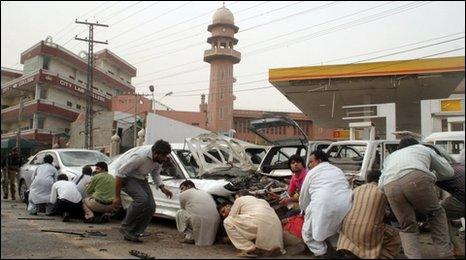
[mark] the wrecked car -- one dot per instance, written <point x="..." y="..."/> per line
<point x="217" y="165"/>
<point x="275" y="162"/>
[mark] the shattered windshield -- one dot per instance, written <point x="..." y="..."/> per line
<point x="81" y="158"/>
<point x="347" y="157"/>
<point x="192" y="167"/>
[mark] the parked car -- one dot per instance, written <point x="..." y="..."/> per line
<point x="452" y="142"/>
<point x="275" y="162"/>
<point x="356" y="157"/>
<point x="67" y="161"/>
<point x="214" y="163"/>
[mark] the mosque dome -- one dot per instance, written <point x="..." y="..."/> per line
<point x="223" y="15"/>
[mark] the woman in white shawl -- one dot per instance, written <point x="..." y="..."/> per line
<point x="325" y="198"/>
<point x="42" y="180"/>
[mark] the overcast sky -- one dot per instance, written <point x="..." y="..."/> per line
<point x="165" y="41"/>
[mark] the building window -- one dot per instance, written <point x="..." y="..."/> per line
<point x="43" y="93"/>
<point x="78" y="106"/>
<point x="68" y="103"/>
<point x="221" y="113"/>
<point x="221" y="93"/>
<point x="195" y="124"/>
<point x="80" y="81"/>
<point x="72" y="77"/>
<point x="40" y="123"/>
<point x="46" y="63"/>
<point x="109" y="71"/>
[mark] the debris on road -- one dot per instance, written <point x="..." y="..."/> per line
<point x="140" y="254"/>
<point x="82" y="234"/>
<point x="37" y="218"/>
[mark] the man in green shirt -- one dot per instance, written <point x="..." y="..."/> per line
<point x="101" y="191"/>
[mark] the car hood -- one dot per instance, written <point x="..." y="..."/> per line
<point x="217" y="155"/>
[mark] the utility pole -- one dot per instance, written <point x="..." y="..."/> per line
<point x="136" y="103"/>
<point x="88" y="142"/>
<point x="20" y="118"/>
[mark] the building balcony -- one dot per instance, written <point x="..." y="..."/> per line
<point x="40" y="135"/>
<point x="11" y="114"/>
<point x="222" y="53"/>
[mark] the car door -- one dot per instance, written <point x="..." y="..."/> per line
<point x="172" y="178"/>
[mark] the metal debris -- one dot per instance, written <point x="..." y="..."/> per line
<point x="141" y="254"/>
<point x="36" y="218"/>
<point x="82" y="234"/>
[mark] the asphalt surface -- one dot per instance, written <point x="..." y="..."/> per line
<point x="24" y="239"/>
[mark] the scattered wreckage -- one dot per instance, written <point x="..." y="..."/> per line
<point x="216" y="164"/>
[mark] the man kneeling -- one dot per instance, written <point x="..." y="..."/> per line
<point x="67" y="199"/>
<point x="101" y="192"/>
<point x="198" y="218"/>
<point x="253" y="226"/>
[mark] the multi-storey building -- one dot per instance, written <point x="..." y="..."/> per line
<point x="49" y="95"/>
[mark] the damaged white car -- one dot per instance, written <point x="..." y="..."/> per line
<point x="214" y="163"/>
<point x="275" y="162"/>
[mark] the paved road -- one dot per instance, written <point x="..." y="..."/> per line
<point x="23" y="239"/>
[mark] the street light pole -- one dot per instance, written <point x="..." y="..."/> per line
<point x="151" y="88"/>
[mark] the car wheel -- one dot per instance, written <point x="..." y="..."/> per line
<point x="22" y="191"/>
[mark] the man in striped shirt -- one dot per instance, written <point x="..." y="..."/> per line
<point x="363" y="231"/>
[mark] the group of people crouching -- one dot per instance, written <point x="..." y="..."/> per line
<point x="322" y="205"/>
<point x="87" y="197"/>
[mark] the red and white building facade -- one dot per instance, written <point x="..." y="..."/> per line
<point x="51" y="89"/>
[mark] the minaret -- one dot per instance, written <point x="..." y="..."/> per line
<point x="221" y="57"/>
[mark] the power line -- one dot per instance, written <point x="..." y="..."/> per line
<point x="350" y="24"/>
<point x="72" y="23"/>
<point x="360" y="21"/>
<point x="164" y="29"/>
<point x="111" y="16"/>
<point x="143" y="9"/>
<point x="178" y="32"/>
<point x="352" y="73"/>
<point x="95" y="11"/>
<point x="153" y="19"/>
<point x="333" y="60"/>
<point x="273" y="38"/>
<point x="253" y="27"/>
<point x="373" y="58"/>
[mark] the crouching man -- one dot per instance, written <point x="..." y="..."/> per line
<point x="363" y="231"/>
<point x="101" y="192"/>
<point x="253" y="226"/>
<point x="198" y="218"/>
<point x="67" y="199"/>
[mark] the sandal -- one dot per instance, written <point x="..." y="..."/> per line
<point x="244" y="254"/>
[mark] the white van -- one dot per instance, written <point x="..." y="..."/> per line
<point x="452" y="142"/>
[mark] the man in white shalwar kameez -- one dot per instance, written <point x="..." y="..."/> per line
<point x="325" y="198"/>
<point x="253" y="226"/>
<point x="198" y="218"/>
<point x="42" y="180"/>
